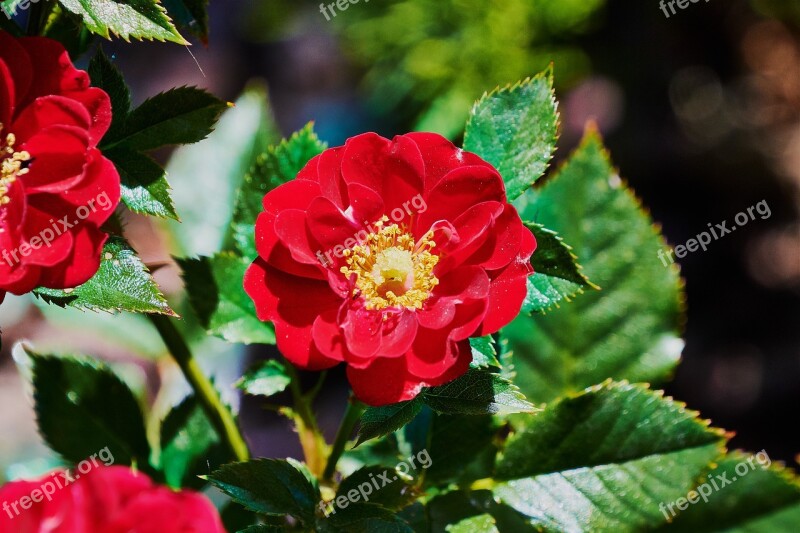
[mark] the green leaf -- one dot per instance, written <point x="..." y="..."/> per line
<point x="482" y="523"/>
<point x="395" y="495"/>
<point x="183" y="115"/>
<point x="105" y="75"/>
<point x="461" y="449"/>
<point x="214" y="285"/>
<point x="515" y="129"/>
<point x="269" y="486"/>
<point x="212" y="172"/>
<point x="267" y="380"/>
<point x="477" y="392"/>
<point x="557" y="275"/>
<point x="77" y="417"/>
<point x="484" y="354"/>
<point x="363" y="518"/>
<point x="757" y="497"/>
<point x="604" y="460"/>
<point x="144" y="183"/>
<point x="193" y="14"/>
<point x="122" y="283"/>
<point x="279" y="164"/>
<point x="627" y="330"/>
<point x="8" y="11"/>
<point x="138" y="19"/>
<point x="187" y="439"/>
<point x="379" y="421"/>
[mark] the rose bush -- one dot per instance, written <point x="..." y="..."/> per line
<point x="56" y="188"/>
<point x="388" y="255"/>
<point x="107" y="500"/>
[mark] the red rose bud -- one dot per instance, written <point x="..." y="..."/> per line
<point x="388" y="256"/>
<point x="56" y="188"/>
<point x="105" y="500"/>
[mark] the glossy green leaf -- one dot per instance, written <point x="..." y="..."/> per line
<point x="214" y="285"/>
<point x="189" y="445"/>
<point x="461" y="449"/>
<point x="482" y="523"/>
<point x="122" y="283"/>
<point x="627" y="330"/>
<point x="557" y="274"/>
<point x="380" y="421"/>
<point x="269" y="486"/>
<point x="268" y="379"/>
<point x="76" y="417"/>
<point x="382" y="486"/>
<point x="363" y="518"/>
<point x="484" y="353"/>
<point x="183" y="115"/>
<point x="477" y="392"/>
<point x="279" y="164"/>
<point x="515" y="129"/>
<point x="105" y="75"/>
<point x="144" y="183"/>
<point x="604" y="460"/>
<point x="137" y="19"/>
<point x="756" y="497"/>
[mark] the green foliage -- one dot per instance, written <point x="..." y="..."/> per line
<point x="477" y="392"/>
<point x="268" y="379"/>
<point x="627" y="330"/>
<point x="137" y="19"/>
<point x="214" y="285"/>
<point x="393" y="492"/>
<point x="269" y="486"/>
<point x="105" y="75"/>
<point x="484" y="354"/>
<point x="594" y="460"/>
<point x="122" y="283"/>
<point x="76" y="417"/>
<point x="515" y="129"/>
<point x="431" y="59"/>
<point x="280" y="163"/>
<point x="189" y="445"/>
<point x="557" y="275"/>
<point x="763" y="499"/>
<point x="192" y="14"/>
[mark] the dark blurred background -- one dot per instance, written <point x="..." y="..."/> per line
<point x="701" y="112"/>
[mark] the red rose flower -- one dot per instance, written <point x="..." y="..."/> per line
<point x="56" y="188"/>
<point x="105" y="500"/>
<point x="388" y="256"/>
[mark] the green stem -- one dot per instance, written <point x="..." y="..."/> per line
<point x="314" y="446"/>
<point x="219" y="415"/>
<point x="351" y="416"/>
<point x="37" y="19"/>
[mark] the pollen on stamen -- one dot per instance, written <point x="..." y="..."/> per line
<point x="12" y="166"/>
<point x="391" y="269"/>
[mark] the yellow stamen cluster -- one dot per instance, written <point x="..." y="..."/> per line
<point x="12" y="164"/>
<point x="391" y="269"/>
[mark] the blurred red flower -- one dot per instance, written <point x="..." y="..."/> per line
<point x="388" y="256"/>
<point x="56" y="188"/>
<point x="111" y="499"/>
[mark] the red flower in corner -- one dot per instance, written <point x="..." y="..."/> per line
<point x="56" y="188"/>
<point x="111" y="499"/>
<point x="388" y="256"/>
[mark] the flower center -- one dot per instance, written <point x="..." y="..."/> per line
<point x="12" y="164"/>
<point x="391" y="269"/>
